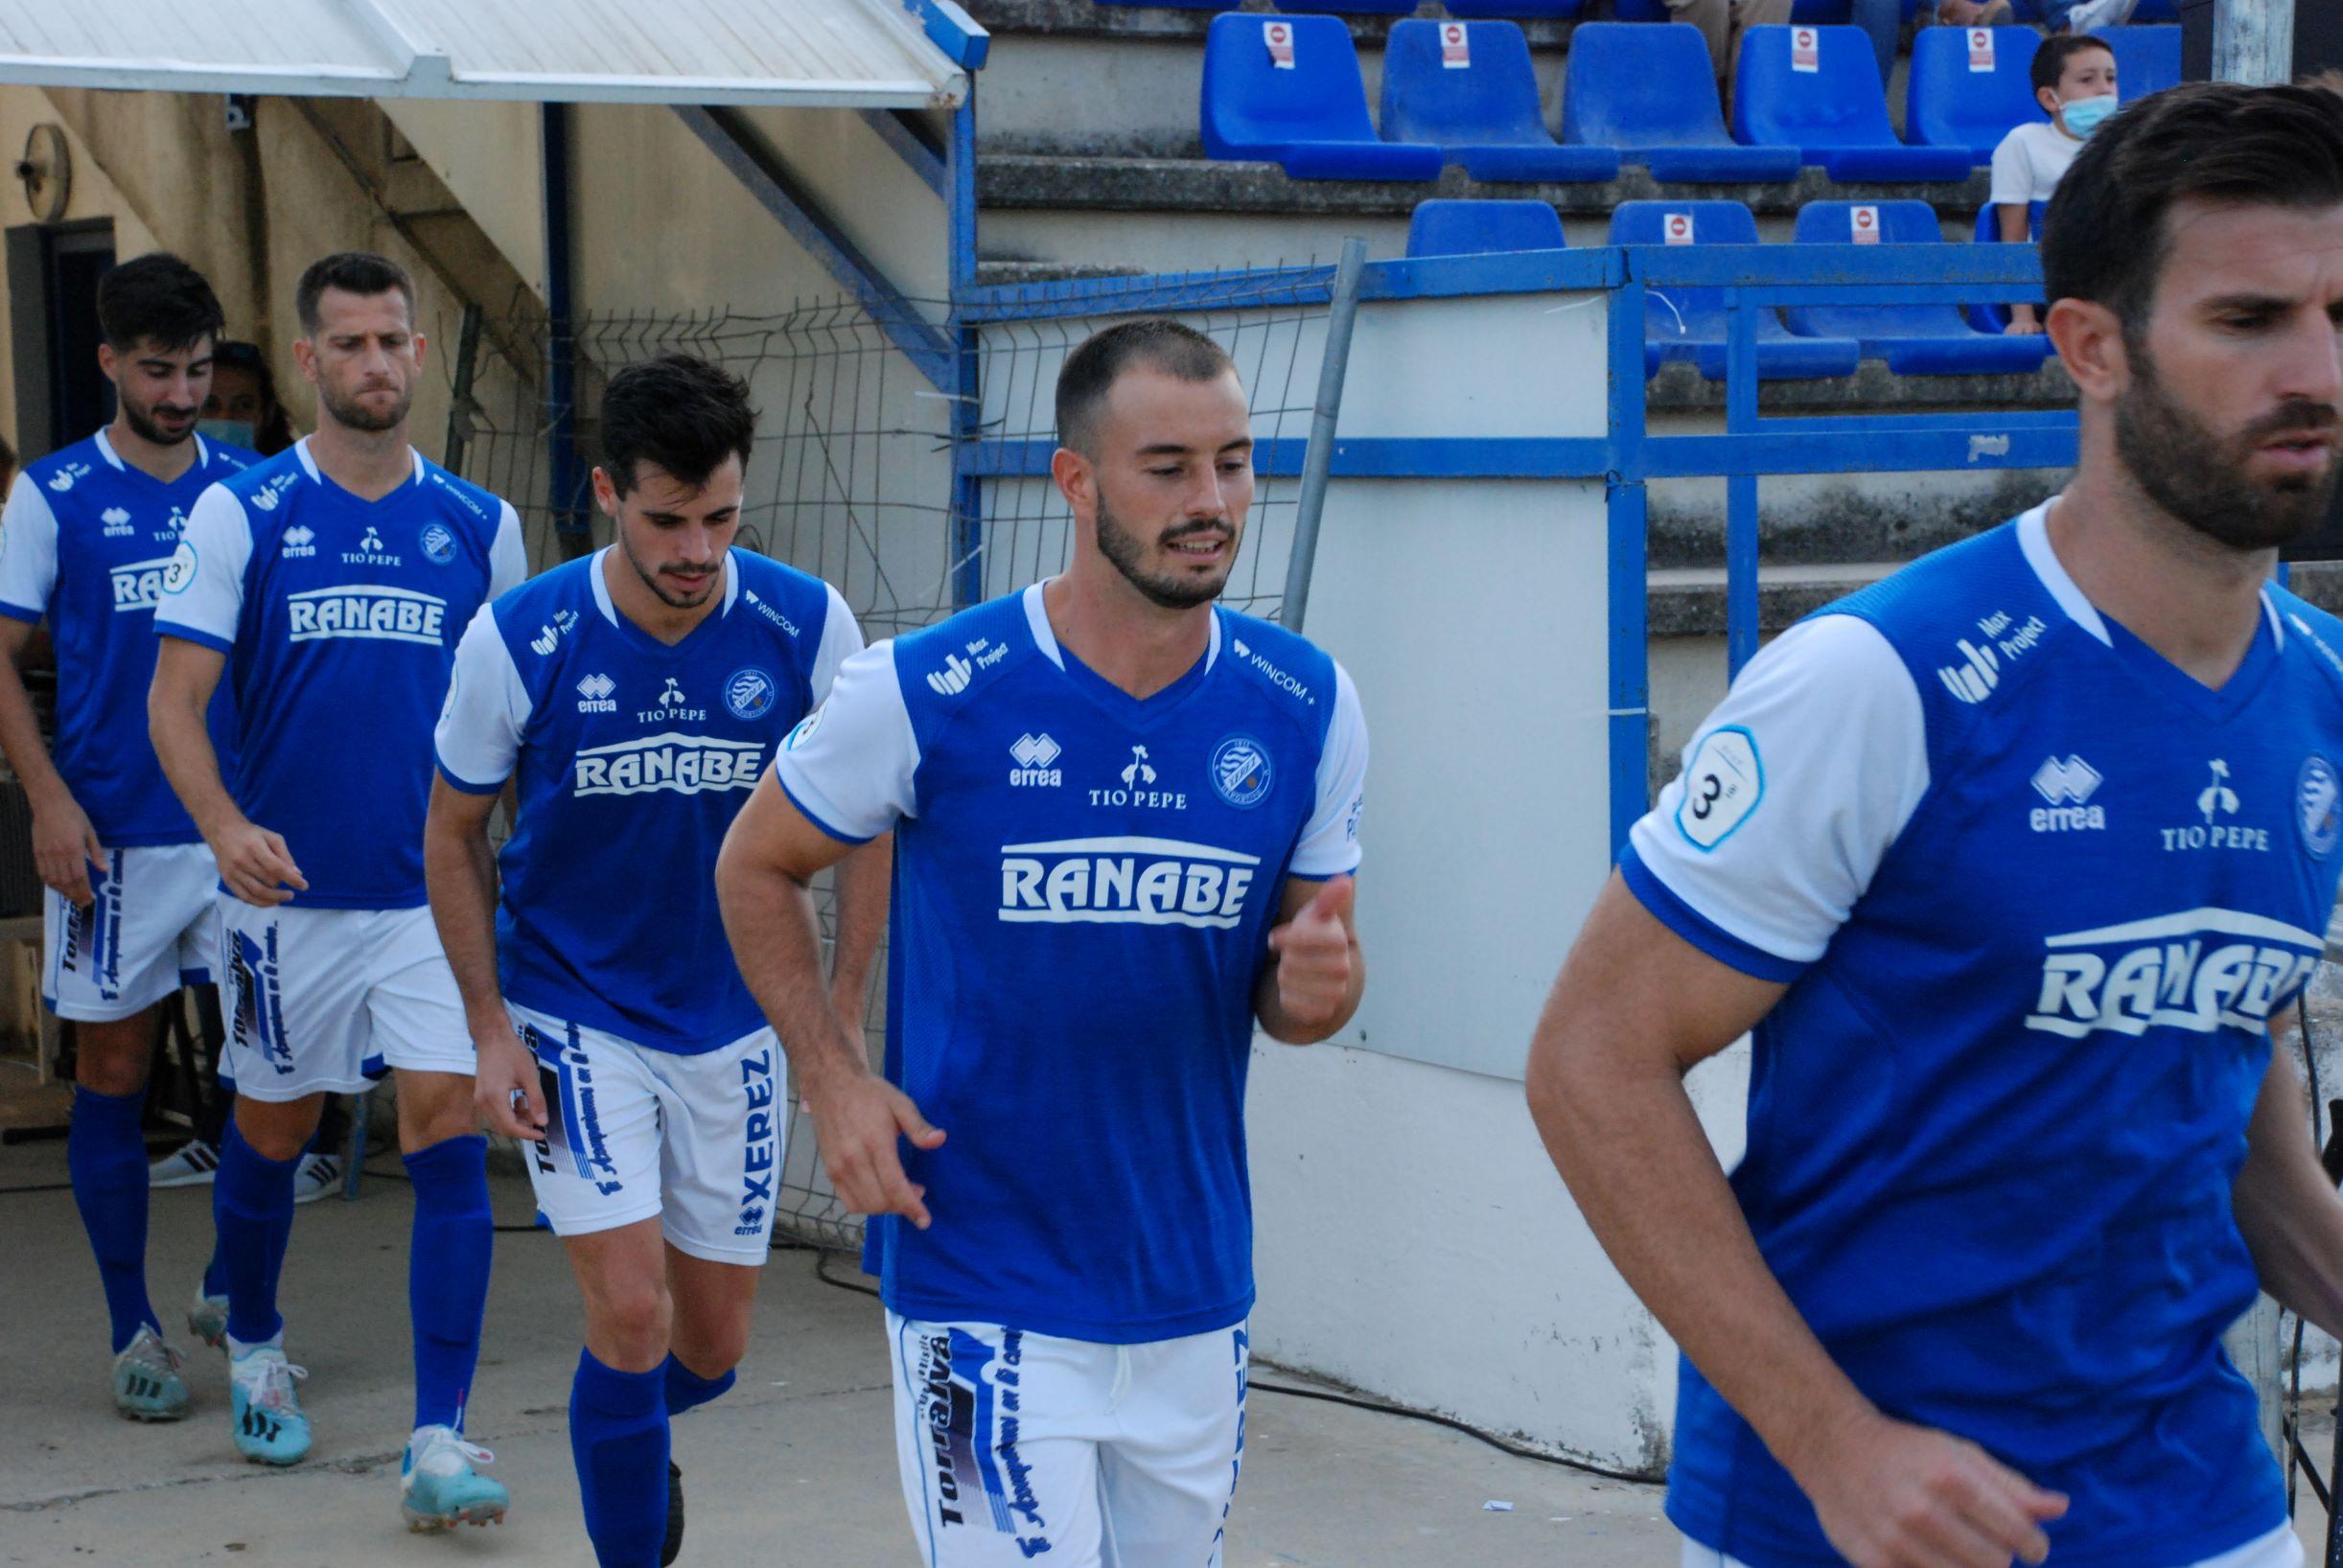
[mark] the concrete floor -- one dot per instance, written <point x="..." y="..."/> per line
<point x="797" y="1465"/>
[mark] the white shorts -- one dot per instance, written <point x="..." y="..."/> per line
<point x="2281" y="1548"/>
<point x="632" y="1133"/>
<point x="1013" y="1446"/>
<point x="150" y="930"/>
<point x="324" y="1001"/>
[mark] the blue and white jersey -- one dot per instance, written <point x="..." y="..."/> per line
<point x="633" y="757"/>
<point x="85" y="542"/>
<point x="339" y="619"/>
<point x="1084" y="884"/>
<point x="2036" y="894"/>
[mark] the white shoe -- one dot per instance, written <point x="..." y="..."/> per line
<point x="438" y="1487"/>
<point x="319" y="1174"/>
<point x="193" y="1164"/>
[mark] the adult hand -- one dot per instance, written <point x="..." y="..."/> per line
<point x="2024" y="326"/>
<point x="254" y="864"/>
<point x="505" y="1083"/>
<point x="1313" y="955"/>
<point x="64" y="846"/>
<point x="1894" y="1496"/>
<point x="858" y="1117"/>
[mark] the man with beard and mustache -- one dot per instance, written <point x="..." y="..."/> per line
<point x="329" y="584"/>
<point x="2009" y="862"/>
<point x="615" y="1033"/>
<point x="83" y="542"/>
<point x="1125" y="825"/>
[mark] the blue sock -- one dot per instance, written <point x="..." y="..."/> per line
<point x="687" y="1390"/>
<point x="446" y="1273"/>
<point x="106" y="1156"/>
<point x="252" y="1204"/>
<point x="619" y="1437"/>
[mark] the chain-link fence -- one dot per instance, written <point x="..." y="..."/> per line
<point x="852" y="477"/>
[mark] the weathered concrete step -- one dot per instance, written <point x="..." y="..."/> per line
<point x="988" y="273"/>
<point x="1679" y="388"/>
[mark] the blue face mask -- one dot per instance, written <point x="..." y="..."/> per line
<point x="2085" y="115"/>
<point x="234" y="432"/>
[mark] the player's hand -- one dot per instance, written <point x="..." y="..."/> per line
<point x="505" y="1084"/>
<point x="255" y="865"/>
<point x="64" y="847"/>
<point x="1893" y="1496"/>
<point x="857" y="1118"/>
<point x="1313" y="957"/>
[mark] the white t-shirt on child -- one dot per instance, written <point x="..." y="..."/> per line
<point x="2028" y="165"/>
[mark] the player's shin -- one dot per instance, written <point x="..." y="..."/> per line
<point x="618" y="1440"/>
<point x="448" y="1265"/>
<point x="107" y="1163"/>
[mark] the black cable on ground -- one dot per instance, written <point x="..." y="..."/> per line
<point x="1326" y="1396"/>
<point x="37" y="1186"/>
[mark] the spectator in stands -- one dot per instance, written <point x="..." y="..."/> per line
<point x="2073" y="79"/>
<point x="2080" y="17"/>
<point x="1722" y="23"/>
<point x="1973" y="14"/>
<point x="243" y="410"/>
<point x="1882" y="22"/>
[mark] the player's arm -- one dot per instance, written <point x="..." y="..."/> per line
<point x="1735" y="882"/>
<point x="862" y="878"/>
<point x="64" y="844"/>
<point x="2287" y="1207"/>
<point x="254" y="863"/>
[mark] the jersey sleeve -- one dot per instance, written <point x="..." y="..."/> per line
<point x="841" y="640"/>
<point x="850" y="766"/>
<point x="28" y="552"/>
<point x="509" y="554"/>
<point x="479" y="738"/>
<point x="1792" y="793"/>
<point x="203" y="587"/>
<point x="1330" y="841"/>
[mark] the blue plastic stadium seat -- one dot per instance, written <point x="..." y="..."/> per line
<point x="1647" y="91"/>
<point x="1483" y="114"/>
<point x="2146" y="58"/>
<point x="1522" y="9"/>
<point x="1834" y="111"/>
<point x="1949" y="103"/>
<point x="1993" y="318"/>
<point x="1471" y="228"/>
<point x="1352" y="8"/>
<point x="1681" y="323"/>
<point x="1311" y="118"/>
<point x="1914" y="339"/>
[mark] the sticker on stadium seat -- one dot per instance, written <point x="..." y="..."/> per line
<point x="1981" y="48"/>
<point x="1863" y="223"/>
<point x="1723" y="784"/>
<point x="1455" y="47"/>
<point x="1676" y="228"/>
<point x="1806" y="50"/>
<point x="1279" y="36"/>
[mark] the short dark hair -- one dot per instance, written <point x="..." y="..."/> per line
<point x="158" y="299"/>
<point x="1100" y="360"/>
<point x="353" y="272"/>
<point x="2105" y="238"/>
<point x="684" y="414"/>
<point x="2049" y="61"/>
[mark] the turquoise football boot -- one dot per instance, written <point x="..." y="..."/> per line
<point x="269" y="1426"/>
<point x="438" y="1487"/>
<point x="146" y="1382"/>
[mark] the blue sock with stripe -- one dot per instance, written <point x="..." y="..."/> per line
<point x="252" y="1204"/>
<point x="618" y="1439"/>
<point x="687" y="1390"/>
<point x="106" y="1156"/>
<point x="446" y="1273"/>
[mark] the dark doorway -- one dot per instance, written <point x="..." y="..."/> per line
<point x="53" y="275"/>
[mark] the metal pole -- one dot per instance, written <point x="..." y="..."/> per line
<point x="1319" y="461"/>
<point x="2253" y="42"/>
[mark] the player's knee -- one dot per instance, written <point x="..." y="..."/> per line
<point x="632" y="1318"/>
<point x="108" y="1072"/>
<point x="710" y="1349"/>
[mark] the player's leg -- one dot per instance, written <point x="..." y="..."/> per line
<point x="713" y="1305"/>
<point x="997" y="1435"/>
<point x="619" y="1415"/>
<point x="1169" y="1475"/>
<point x="417" y="1020"/>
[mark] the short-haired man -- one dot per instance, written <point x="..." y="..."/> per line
<point x="1125" y="823"/>
<point x="2009" y="861"/>
<point x="85" y="542"/>
<point x="330" y="585"/>
<point x="635" y="697"/>
<point x="2074" y="79"/>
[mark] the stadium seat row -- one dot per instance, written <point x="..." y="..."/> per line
<point x="1288" y="90"/>
<point x="1800" y="341"/>
<point x="1801" y="11"/>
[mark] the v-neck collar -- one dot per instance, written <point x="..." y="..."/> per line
<point x="2142" y="661"/>
<point x="123" y="466"/>
<point x="308" y="466"/>
<point x="1139" y="711"/>
<point x="643" y="639"/>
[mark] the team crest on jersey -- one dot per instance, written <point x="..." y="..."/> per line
<point x="749" y="694"/>
<point x="1240" y="771"/>
<point x="2318" y="800"/>
<point x="438" y="544"/>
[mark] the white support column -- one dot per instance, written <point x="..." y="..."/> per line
<point x="2253" y="42"/>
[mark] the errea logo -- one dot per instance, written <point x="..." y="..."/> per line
<point x="594" y="694"/>
<point x="1032" y="755"/>
<point x="2067" y="786"/>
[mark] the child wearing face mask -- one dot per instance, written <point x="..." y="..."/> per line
<point x="2074" y="79"/>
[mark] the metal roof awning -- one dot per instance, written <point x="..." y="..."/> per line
<point x="808" y="54"/>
